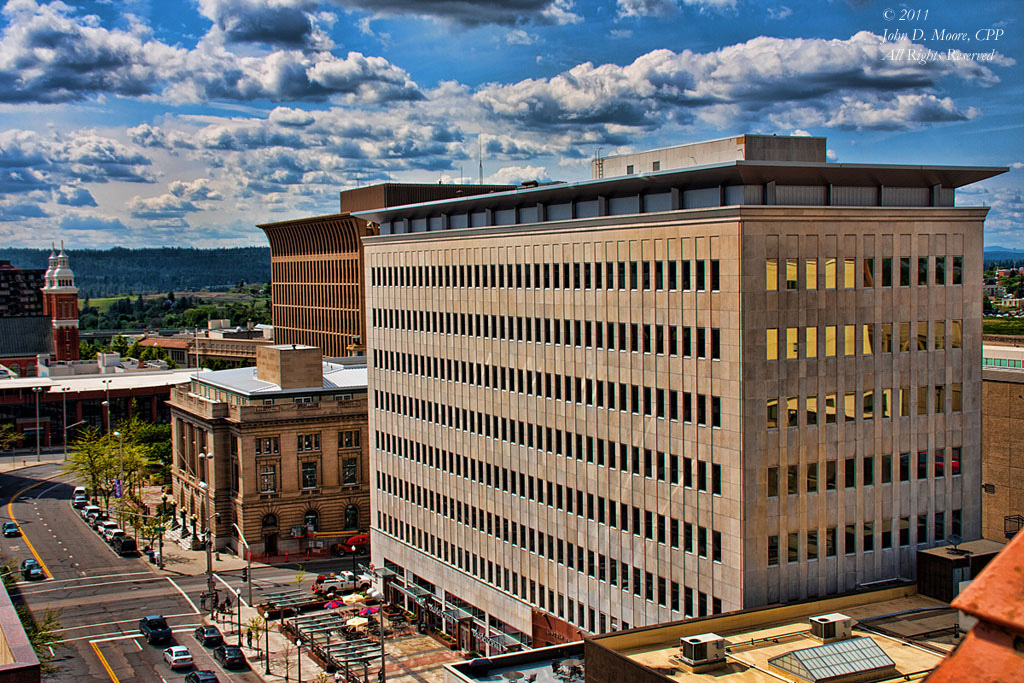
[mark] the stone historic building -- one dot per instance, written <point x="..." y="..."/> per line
<point x="686" y="391"/>
<point x="282" y="448"/>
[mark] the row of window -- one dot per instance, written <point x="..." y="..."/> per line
<point x="871" y="469"/>
<point x="646" y="584"/>
<point x="622" y="275"/>
<point x="827" y="543"/>
<point x="864" y="274"/>
<point x="269" y="445"/>
<point x="874" y="338"/>
<point x="308" y="474"/>
<point x="870" y="403"/>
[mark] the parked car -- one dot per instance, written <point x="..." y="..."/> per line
<point x="208" y="636"/>
<point x="178" y="657"/>
<point x="342" y="582"/>
<point x="31" y="570"/>
<point x="104" y="526"/>
<point x="230" y="657"/>
<point x="79" y="491"/>
<point x="11" y="529"/>
<point x="96" y="519"/>
<point x="79" y="502"/>
<point x="125" y="545"/>
<point x="114" y="534"/>
<point x="201" y="677"/>
<point x="89" y="511"/>
<point x="155" y="629"/>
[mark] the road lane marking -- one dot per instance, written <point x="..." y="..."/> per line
<point x="10" y="513"/>
<point x="228" y="586"/>
<point x="184" y="595"/>
<point x="40" y="495"/>
<point x="103" y="661"/>
<point x="114" y="635"/>
<point x="86" y="585"/>
<point x="121" y="621"/>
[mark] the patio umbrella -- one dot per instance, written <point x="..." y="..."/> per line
<point x="367" y="611"/>
<point x="334" y="604"/>
<point x="357" y="621"/>
<point x="352" y="599"/>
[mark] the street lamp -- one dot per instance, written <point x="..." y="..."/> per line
<point x="36" y="391"/>
<point x="298" y="650"/>
<point x="238" y="605"/>
<point x="106" y="403"/>
<point x="209" y="542"/>
<point x="163" y="515"/>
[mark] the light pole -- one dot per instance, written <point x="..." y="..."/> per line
<point x="238" y="605"/>
<point x="106" y="403"/>
<point x="36" y="391"/>
<point x="266" y="632"/>
<point x="163" y="514"/>
<point x="119" y="491"/>
<point x="209" y="543"/>
<point x="248" y="560"/>
<point x="298" y="650"/>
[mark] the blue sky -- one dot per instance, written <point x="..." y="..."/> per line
<point x="187" y="122"/>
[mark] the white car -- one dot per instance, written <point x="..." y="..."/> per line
<point x="178" y="657"/>
<point x="79" y="502"/>
<point x="79" y="491"/>
<point x="89" y="510"/>
<point x="106" y="527"/>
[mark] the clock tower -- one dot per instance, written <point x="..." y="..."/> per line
<point x="60" y="302"/>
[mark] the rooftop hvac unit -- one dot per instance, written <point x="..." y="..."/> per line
<point x="706" y="649"/>
<point x="829" y="628"/>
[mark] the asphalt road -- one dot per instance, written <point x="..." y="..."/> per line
<point x="99" y="597"/>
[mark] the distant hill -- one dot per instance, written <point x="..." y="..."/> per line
<point x="1000" y="254"/>
<point x="117" y="271"/>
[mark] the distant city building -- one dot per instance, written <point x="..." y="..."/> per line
<point x="316" y="266"/>
<point x="20" y="291"/>
<point x="746" y="380"/>
<point x="288" y="444"/>
<point x="220" y="341"/>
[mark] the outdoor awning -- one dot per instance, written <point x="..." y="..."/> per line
<point x="413" y="591"/>
<point x="456" y="614"/>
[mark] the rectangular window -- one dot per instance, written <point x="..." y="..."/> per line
<point x="773" y="551"/>
<point x="811" y="273"/>
<point x="904" y="467"/>
<point x="792" y="342"/>
<point x="956" y="334"/>
<point x="940" y="270"/>
<point x="886" y="403"/>
<point x="792" y="273"/>
<point x="958" y="270"/>
<point x="922" y="465"/>
<point x="830" y="408"/>
<point x="940" y="398"/>
<point x="885" y="341"/>
<point x="830" y="273"/>
<point x="922" y="400"/>
<point x="793" y="547"/>
<point x="850" y="473"/>
<point x="850" y="540"/>
<point x="956" y="394"/>
<point x="811" y="342"/>
<point x="869" y="471"/>
<point x="887" y="272"/>
<point x="904" y="531"/>
<point x="850" y="406"/>
<point x="772" y="413"/>
<point x="940" y="335"/>
<point x="922" y="529"/>
<point x="849" y="273"/>
<point x="904" y="401"/>
<point x="811" y="403"/>
<point x="830" y="542"/>
<point x="849" y="340"/>
<point x="868" y="272"/>
<point x="868" y="405"/>
<point x="867" y="341"/>
<point x="904" y="271"/>
<point x="309" y="480"/>
<point x="869" y="536"/>
<point x="922" y="271"/>
<point x="793" y="480"/>
<point x="268" y="479"/>
<point x="886" y="469"/>
<point x="812" y="477"/>
<point x="812" y="545"/>
<point x="922" y="335"/>
<point x="830" y="475"/>
<point x="716" y="275"/>
<point x="830" y="340"/>
<point x="793" y="411"/>
<point x="350" y="471"/>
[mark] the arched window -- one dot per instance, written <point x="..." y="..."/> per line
<point x="269" y="521"/>
<point x="352" y="517"/>
<point x="311" y="520"/>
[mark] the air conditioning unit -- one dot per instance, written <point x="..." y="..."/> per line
<point x="702" y="652"/>
<point x="829" y="628"/>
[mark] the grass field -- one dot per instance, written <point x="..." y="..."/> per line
<point x="1003" y="326"/>
<point x="103" y="304"/>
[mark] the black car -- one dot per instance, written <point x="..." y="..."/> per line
<point x="201" y="677"/>
<point x="124" y="546"/>
<point x="208" y="636"/>
<point x="155" y="629"/>
<point x="230" y="656"/>
<point x="31" y="570"/>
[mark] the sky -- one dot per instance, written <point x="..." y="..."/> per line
<point x="142" y="123"/>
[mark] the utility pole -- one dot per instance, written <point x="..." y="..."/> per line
<point x="37" y="391"/>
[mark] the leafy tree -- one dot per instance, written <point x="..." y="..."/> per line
<point x="87" y="350"/>
<point x="43" y="634"/>
<point x="119" y="345"/>
<point x="134" y="351"/>
<point x="9" y="436"/>
<point x="99" y="459"/>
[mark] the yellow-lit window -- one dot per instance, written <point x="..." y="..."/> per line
<point x="772" y="413"/>
<point x="772" y="343"/>
<point x="922" y="400"/>
<point x="849" y="273"/>
<point x="886" y="340"/>
<point x="940" y="335"/>
<point x="830" y="340"/>
<point x="771" y="274"/>
<point x="904" y="401"/>
<point x="792" y="273"/>
<point x="922" y="335"/>
<point x="830" y="408"/>
<point x="811" y="342"/>
<point x="869" y="272"/>
<point x="904" y="336"/>
<point x="867" y="342"/>
<point x="850" y="406"/>
<point x="830" y="273"/>
<point x="849" y="339"/>
<point x="886" y="403"/>
<point x="811" y="273"/>
<point x="792" y="411"/>
<point x="956" y="334"/>
<point x="792" y="349"/>
<point x="868" y="405"/>
<point x="956" y="392"/>
<point x="812" y="410"/>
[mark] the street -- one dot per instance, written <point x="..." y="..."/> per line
<point x="100" y="596"/>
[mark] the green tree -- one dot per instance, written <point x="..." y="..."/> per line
<point x="43" y="634"/>
<point x="119" y="345"/>
<point x="9" y="437"/>
<point x="99" y="459"/>
<point x="87" y="350"/>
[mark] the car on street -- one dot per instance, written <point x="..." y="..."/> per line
<point x="342" y="582"/>
<point x="155" y="629"/>
<point x="114" y="534"/>
<point x="230" y="657"/>
<point x="79" y="502"/>
<point x="11" y="529"/>
<point x="201" y="677"/>
<point x="102" y="528"/>
<point x="125" y="546"/>
<point x="79" y="491"/>
<point x="208" y="636"/>
<point x="89" y="510"/>
<point x="31" y="570"/>
<point x="178" y="657"/>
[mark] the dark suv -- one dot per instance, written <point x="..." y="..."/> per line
<point x="155" y="629"/>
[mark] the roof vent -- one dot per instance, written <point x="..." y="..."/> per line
<point x="829" y="628"/>
<point x="702" y="652"/>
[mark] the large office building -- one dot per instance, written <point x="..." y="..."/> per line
<point x="627" y="400"/>
<point x="316" y="266"/>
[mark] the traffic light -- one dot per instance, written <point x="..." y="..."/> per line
<point x="245" y="574"/>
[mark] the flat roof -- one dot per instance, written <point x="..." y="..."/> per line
<point x="337" y="377"/>
<point x="981" y="546"/>
<point x="728" y="173"/>
<point x="753" y="637"/>
<point x="132" y="379"/>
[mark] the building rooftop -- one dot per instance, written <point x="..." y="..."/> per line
<point x="894" y="625"/>
<point x="336" y="377"/>
<point x="544" y="664"/>
<point x="99" y="382"/>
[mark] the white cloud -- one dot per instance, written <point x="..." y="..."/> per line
<point x="517" y="36"/>
<point x="779" y="13"/>
<point x="514" y="175"/>
<point x="472" y="12"/>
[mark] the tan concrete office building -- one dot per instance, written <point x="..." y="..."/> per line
<point x="287" y="443"/>
<point x="628" y="400"/>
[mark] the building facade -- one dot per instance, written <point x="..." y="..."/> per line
<point x="626" y="401"/>
<point x="1003" y="443"/>
<point x="316" y="267"/>
<point x="20" y="291"/>
<point x="287" y="443"/>
<point x="60" y="302"/>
